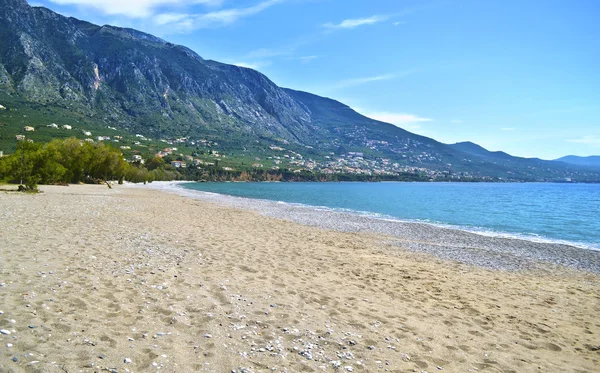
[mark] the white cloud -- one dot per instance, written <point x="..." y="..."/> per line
<point x="133" y="8"/>
<point x="398" y="119"/>
<point x="587" y="140"/>
<point x="360" y="81"/>
<point x="248" y="65"/>
<point x="303" y="59"/>
<point x="188" y="22"/>
<point x="306" y="59"/>
<point x="370" y="79"/>
<point x="399" y="23"/>
<point x="353" y="23"/>
<point x="163" y="19"/>
<point x="252" y="65"/>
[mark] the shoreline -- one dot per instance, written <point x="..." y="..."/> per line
<point x="137" y="280"/>
<point x="461" y="245"/>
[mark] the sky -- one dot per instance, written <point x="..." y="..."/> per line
<point x="518" y="76"/>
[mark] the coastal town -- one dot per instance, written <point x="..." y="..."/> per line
<point x="278" y="157"/>
<point x="183" y="153"/>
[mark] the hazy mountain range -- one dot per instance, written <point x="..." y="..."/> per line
<point x="140" y="83"/>
<point x="591" y="161"/>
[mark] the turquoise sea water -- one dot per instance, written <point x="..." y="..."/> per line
<point x="567" y="213"/>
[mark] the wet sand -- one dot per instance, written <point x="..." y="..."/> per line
<point x="135" y="280"/>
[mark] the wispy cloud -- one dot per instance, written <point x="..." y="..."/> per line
<point x="371" y="79"/>
<point x="360" y="81"/>
<point x="403" y="120"/>
<point x="399" y="23"/>
<point x="165" y="18"/>
<point x="252" y="65"/>
<point x="587" y="140"/>
<point x="179" y="22"/>
<point x="356" y="22"/>
<point x="289" y="51"/>
<point x="132" y="8"/>
<point x="307" y="59"/>
<point x="303" y="59"/>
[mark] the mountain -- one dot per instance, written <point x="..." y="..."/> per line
<point x="56" y="68"/>
<point x="511" y="162"/>
<point x="468" y="147"/>
<point x="591" y="161"/>
<point x="135" y="80"/>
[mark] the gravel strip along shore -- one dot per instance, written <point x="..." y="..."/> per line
<point x="496" y="253"/>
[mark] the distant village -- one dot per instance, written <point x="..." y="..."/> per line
<point x="278" y="157"/>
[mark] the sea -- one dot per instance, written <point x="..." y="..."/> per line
<point x="540" y="212"/>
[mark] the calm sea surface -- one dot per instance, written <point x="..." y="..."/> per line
<point x="568" y="213"/>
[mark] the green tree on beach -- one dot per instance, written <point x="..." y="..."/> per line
<point x="66" y="161"/>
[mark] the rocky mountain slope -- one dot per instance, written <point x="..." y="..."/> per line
<point x="136" y="80"/>
<point x="140" y="83"/>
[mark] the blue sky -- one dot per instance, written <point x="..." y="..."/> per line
<point x="518" y="76"/>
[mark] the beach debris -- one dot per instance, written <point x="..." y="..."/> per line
<point x="15" y="359"/>
<point x="207" y="336"/>
<point x="127" y="360"/>
<point x="347" y="355"/>
<point x="306" y="353"/>
<point x="242" y="370"/>
<point x="4" y="331"/>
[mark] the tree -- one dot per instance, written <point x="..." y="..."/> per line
<point x="154" y="163"/>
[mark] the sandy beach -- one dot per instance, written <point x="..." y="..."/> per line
<point x="139" y="280"/>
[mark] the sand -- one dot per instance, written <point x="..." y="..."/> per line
<point x="133" y="280"/>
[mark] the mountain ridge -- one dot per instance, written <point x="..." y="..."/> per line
<point x="590" y="161"/>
